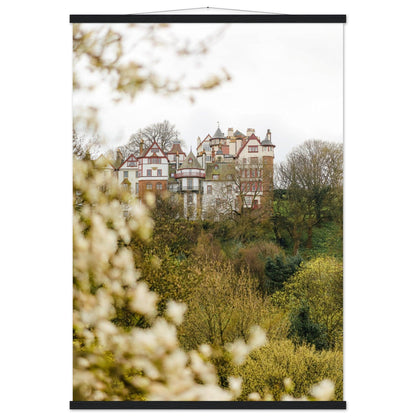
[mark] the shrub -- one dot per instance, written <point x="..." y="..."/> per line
<point x="266" y="369"/>
<point x="319" y="285"/>
<point x="224" y="306"/>
<point x="278" y="271"/>
<point x="254" y="258"/>
<point x="304" y="330"/>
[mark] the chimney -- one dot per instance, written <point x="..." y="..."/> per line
<point x="198" y="142"/>
<point x="119" y="158"/>
<point x="269" y="135"/>
<point x="250" y="132"/>
<point x="141" y="146"/>
<point x="204" y="160"/>
<point x="230" y="132"/>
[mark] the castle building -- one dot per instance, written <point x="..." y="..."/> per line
<point x="229" y="173"/>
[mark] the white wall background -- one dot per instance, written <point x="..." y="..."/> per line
<point x="379" y="221"/>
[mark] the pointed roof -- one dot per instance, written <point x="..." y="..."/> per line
<point x="104" y="161"/>
<point x="252" y="137"/>
<point x="176" y="148"/>
<point x="218" y="134"/>
<point x="238" y="133"/>
<point x="266" y="141"/>
<point x="190" y="162"/>
<point x="146" y="152"/>
<point x="129" y="159"/>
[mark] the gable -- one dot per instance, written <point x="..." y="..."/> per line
<point x="200" y="147"/>
<point x="251" y="141"/>
<point x="154" y="150"/>
<point x="130" y="162"/>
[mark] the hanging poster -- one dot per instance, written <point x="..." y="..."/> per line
<point x="208" y="211"/>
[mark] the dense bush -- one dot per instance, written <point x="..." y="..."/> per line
<point x="253" y="258"/>
<point x="266" y="369"/>
<point x="304" y="330"/>
<point x="319" y="285"/>
<point x="278" y="270"/>
<point x="224" y="306"/>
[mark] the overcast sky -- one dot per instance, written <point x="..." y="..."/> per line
<point x="285" y="77"/>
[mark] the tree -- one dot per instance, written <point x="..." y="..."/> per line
<point x="315" y="294"/>
<point x="304" y="330"/>
<point x="279" y="270"/>
<point x="164" y="133"/>
<point x="312" y="175"/>
<point x="224" y="306"/>
<point x="84" y="147"/>
<point x="289" y="214"/>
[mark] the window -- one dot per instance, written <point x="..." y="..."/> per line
<point x="137" y="187"/>
<point x="172" y="175"/>
<point x="209" y="189"/>
<point x="149" y="172"/>
<point x="155" y="160"/>
<point x="215" y="177"/>
<point x="131" y="164"/>
<point x="125" y="174"/>
<point x="254" y="160"/>
<point x="137" y="173"/>
<point x="190" y="161"/>
<point x="159" y="172"/>
<point x="159" y="186"/>
<point x="229" y="177"/>
<point x="253" y="149"/>
<point x="189" y="183"/>
<point x="244" y="160"/>
<point x="149" y="186"/>
<point x="229" y="189"/>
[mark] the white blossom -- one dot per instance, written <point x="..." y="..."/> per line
<point x="323" y="391"/>
<point x="144" y="301"/>
<point x="257" y="337"/>
<point x="239" y="351"/>
<point x="235" y="385"/>
<point x="175" y="311"/>
<point x="163" y="371"/>
<point x="254" y="396"/>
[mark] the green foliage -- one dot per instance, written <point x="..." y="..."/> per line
<point x="326" y="241"/>
<point x="224" y="306"/>
<point x="171" y="231"/>
<point x="253" y="258"/>
<point x="304" y="330"/>
<point x="319" y="284"/>
<point x="278" y="271"/>
<point x="266" y="369"/>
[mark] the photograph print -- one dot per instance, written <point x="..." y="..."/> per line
<point x="208" y="212"/>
